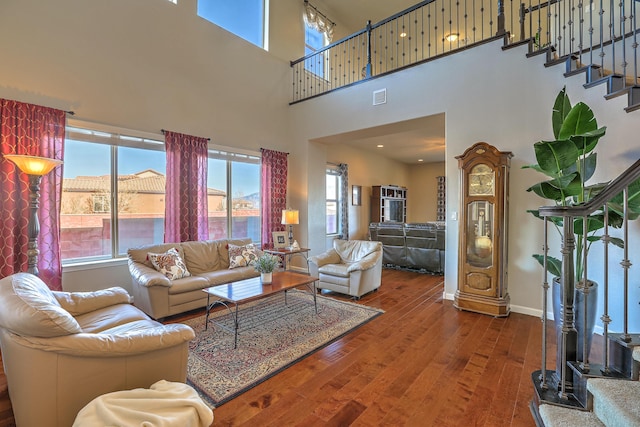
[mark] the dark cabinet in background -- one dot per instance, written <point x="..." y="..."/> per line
<point x="388" y="203"/>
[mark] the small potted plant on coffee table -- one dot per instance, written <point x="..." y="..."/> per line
<point x="265" y="264"/>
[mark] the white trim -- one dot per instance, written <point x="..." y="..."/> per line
<point x="265" y="25"/>
<point x="514" y="308"/>
<point x="85" y="124"/>
<point x="234" y="150"/>
<point x="93" y="265"/>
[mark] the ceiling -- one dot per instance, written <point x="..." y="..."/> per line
<point x="407" y="141"/>
<point x="354" y="14"/>
<point x="413" y="141"/>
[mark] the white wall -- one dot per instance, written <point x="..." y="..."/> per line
<point x="506" y="101"/>
<point x="422" y="192"/>
<point x="144" y="65"/>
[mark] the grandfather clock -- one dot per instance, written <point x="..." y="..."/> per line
<point x="482" y="252"/>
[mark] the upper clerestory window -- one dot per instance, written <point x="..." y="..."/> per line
<point x="244" y="18"/>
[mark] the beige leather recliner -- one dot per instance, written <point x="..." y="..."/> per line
<point x="352" y="267"/>
<point x="60" y="350"/>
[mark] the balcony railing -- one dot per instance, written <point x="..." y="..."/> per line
<point x="597" y="36"/>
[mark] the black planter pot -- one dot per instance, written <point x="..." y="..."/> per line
<point x="578" y="304"/>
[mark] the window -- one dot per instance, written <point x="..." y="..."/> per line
<point x="96" y="225"/>
<point x="98" y="165"/>
<point x="334" y="198"/>
<point x="314" y="40"/>
<point x="244" y="18"/>
<point x="237" y="175"/>
<point x="100" y="203"/>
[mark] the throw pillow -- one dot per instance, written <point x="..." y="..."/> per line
<point x="242" y="256"/>
<point x="170" y="264"/>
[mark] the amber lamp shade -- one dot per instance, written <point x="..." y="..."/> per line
<point x="33" y="165"/>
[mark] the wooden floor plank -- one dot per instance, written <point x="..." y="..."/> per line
<point x="421" y="363"/>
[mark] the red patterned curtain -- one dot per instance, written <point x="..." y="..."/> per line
<point x="186" y="208"/>
<point x="36" y="131"/>
<point x="273" y="180"/>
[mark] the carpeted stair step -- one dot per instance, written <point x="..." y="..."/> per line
<point x="624" y="354"/>
<point x="615" y="402"/>
<point x="634" y="104"/>
<point x="558" y="416"/>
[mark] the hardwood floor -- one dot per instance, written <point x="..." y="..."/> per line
<point x="422" y="363"/>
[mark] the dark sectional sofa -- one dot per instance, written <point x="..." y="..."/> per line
<point x="418" y="246"/>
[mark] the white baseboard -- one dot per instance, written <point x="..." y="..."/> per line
<point x="515" y="308"/>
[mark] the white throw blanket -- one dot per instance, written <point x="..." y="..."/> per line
<point x="165" y="404"/>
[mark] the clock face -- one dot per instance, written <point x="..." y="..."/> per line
<point x="482" y="181"/>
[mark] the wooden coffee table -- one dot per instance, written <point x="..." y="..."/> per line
<point x="243" y="291"/>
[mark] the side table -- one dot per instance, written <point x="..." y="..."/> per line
<point x="287" y="253"/>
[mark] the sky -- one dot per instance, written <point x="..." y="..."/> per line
<point x="82" y="159"/>
<point x="243" y="18"/>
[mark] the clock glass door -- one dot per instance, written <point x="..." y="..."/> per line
<point x="479" y="229"/>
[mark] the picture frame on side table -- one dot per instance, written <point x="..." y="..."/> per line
<point x="356" y="195"/>
<point x="279" y="239"/>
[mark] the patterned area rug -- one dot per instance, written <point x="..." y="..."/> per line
<point x="272" y="336"/>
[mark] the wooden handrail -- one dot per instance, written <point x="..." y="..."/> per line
<point x="611" y="190"/>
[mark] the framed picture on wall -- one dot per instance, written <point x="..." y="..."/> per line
<point x="356" y="195"/>
<point x="279" y="239"/>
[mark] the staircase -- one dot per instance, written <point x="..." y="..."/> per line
<point x="579" y="392"/>
<point x="612" y="402"/>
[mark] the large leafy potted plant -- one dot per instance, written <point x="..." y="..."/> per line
<point x="569" y="162"/>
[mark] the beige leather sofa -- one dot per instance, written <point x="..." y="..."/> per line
<point x="352" y="267"/>
<point x="206" y="261"/>
<point x="61" y="350"/>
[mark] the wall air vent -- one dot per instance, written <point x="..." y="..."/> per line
<point x="380" y="97"/>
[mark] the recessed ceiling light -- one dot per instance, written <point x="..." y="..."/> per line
<point x="380" y="146"/>
<point x="452" y="37"/>
<point x="403" y="34"/>
<point x="420" y="160"/>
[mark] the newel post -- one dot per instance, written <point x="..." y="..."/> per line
<point x="567" y="341"/>
<point x="501" y="25"/>
<point x="368" y="70"/>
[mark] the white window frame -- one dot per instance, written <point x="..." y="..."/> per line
<point x="113" y="137"/>
<point x="324" y="73"/>
<point x="333" y="172"/>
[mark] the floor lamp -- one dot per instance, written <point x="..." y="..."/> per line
<point x="35" y="167"/>
<point x="290" y="217"/>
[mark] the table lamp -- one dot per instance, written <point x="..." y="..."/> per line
<point x="35" y="167"/>
<point x="290" y="217"/>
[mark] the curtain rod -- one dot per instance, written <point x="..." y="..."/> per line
<point x="285" y="152"/>
<point x="71" y="113"/>
<point x="163" y="131"/>
<point x="318" y="12"/>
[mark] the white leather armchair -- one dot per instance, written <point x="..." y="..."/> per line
<point x="60" y="350"/>
<point x="352" y="267"/>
